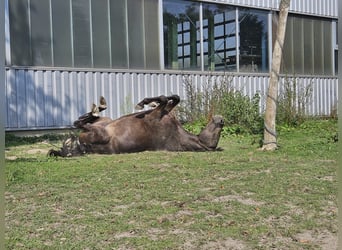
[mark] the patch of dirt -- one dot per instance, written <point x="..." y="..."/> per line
<point x="37" y="151"/>
<point x="122" y="235"/>
<point x="245" y="201"/>
<point x="11" y="157"/>
<point x="325" y="239"/>
<point x="228" y="244"/>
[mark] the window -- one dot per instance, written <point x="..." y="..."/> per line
<point x="219" y="29"/>
<point x="85" y="33"/>
<point x="181" y="34"/>
<point x="308" y="46"/>
<point x="20" y="33"/>
<point x="253" y="40"/>
<point x="234" y="39"/>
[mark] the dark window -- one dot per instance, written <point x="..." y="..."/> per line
<point x="182" y="42"/>
<point x="219" y="37"/>
<point x="253" y="41"/>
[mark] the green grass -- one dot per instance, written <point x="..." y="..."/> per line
<point x="238" y="197"/>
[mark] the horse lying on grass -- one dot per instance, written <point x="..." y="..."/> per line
<point x="153" y="129"/>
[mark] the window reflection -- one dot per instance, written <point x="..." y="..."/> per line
<point x="220" y="49"/>
<point x="181" y="35"/>
<point x="253" y="41"/>
<point x="219" y="37"/>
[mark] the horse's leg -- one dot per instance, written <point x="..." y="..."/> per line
<point x="171" y="102"/>
<point x="93" y="115"/>
<point x="103" y="104"/>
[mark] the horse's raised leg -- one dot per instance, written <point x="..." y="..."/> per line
<point x="103" y="104"/>
<point x="170" y="101"/>
<point x="91" y="116"/>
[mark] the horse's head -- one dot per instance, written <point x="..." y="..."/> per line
<point x="210" y="135"/>
<point x="71" y="147"/>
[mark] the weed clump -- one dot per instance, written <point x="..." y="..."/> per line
<point x="217" y="96"/>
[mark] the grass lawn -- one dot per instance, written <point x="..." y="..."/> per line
<point x="238" y="198"/>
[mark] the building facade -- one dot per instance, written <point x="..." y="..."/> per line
<point x="61" y="55"/>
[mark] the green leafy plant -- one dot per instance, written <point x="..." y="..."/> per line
<point x="217" y="96"/>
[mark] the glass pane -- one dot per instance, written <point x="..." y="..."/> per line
<point x="298" y="49"/>
<point x="19" y="32"/>
<point x="253" y="40"/>
<point x="181" y="18"/>
<point x="308" y="46"/>
<point x="100" y="21"/>
<point x="81" y="29"/>
<point x="40" y="33"/>
<point x="152" y="47"/>
<point x="118" y="24"/>
<point x="318" y="47"/>
<point x="136" y="41"/>
<point x="221" y="36"/>
<point x="61" y="32"/>
<point x="327" y="48"/>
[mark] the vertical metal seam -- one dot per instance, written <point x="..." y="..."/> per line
<point x="72" y="36"/>
<point x="127" y="36"/>
<point x="143" y="32"/>
<point x="51" y="35"/>
<point x="109" y="34"/>
<point x="91" y="36"/>
<point x="30" y="30"/>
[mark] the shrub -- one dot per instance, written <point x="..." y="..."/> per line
<point x="216" y="96"/>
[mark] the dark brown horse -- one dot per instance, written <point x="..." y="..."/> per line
<point x="154" y="129"/>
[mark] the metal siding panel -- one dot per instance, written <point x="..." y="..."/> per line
<point x="58" y="93"/>
<point x="30" y="101"/>
<point x="48" y="99"/>
<point x="39" y="98"/>
<point x="57" y="98"/>
<point x="105" y="90"/>
<point x="65" y="99"/>
<point x="72" y="82"/>
<point x="11" y="97"/>
<point x="21" y="99"/>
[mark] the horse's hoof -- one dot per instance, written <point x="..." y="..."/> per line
<point x="103" y="104"/>
<point x="95" y="111"/>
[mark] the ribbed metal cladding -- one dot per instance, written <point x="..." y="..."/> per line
<point x="41" y="99"/>
<point x="326" y="8"/>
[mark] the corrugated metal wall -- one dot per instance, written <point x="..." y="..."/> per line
<point x="40" y="99"/>
<point x="326" y="8"/>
